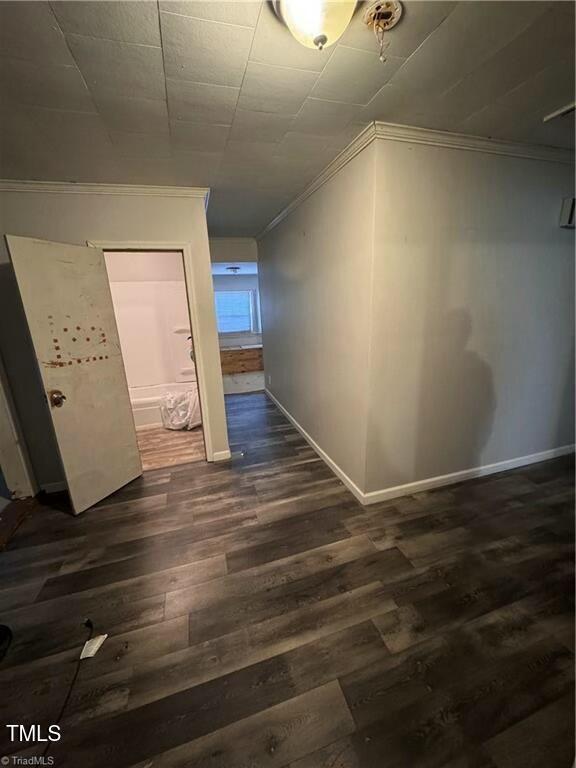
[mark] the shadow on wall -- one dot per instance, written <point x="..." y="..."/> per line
<point x="457" y="399"/>
<point x="25" y="382"/>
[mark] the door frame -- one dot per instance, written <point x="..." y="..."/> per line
<point x="14" y="460"/>
<point x="186" y="249"/>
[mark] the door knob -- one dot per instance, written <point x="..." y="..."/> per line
<point x="56" y="398"/>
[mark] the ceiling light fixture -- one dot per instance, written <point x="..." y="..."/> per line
<point x="315" y="23"/>
<point x="381" y="17"/>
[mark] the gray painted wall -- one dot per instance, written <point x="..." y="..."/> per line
<point x="314" y="270"/>
<point x="436" y="335"/>
<point x="473" y="324"/>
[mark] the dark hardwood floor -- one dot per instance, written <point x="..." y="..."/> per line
<point x="259" y="617"/>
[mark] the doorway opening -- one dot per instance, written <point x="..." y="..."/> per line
<point x="237" y="303"/>
<point x="150" y="300"/>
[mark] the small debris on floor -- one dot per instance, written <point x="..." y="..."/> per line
<point x="91" y="647"/>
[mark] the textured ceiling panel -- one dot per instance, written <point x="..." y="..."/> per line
<point x="200" y="102"/>
<point x="133" y="70"/>
<point x="204" y="51"/>
<point x="549" y="88"/>
<point x="219" y="94"/>
<point x="68" y="132"/>
<point x="243" y="13"/>
<point x="136" y="115"/>
<point x="324" y="118"/>
<point x="354" y="76"/>
<point x="200" y="166"/>
<point x="54" y="87"/>
<point x="197" y="137"/>
<point x="275" y="89"/>
<point x="471" y="34"/>
<point x="129" y="22"/>
<point x="264" y="127"/>
<point x="28" y="31"/>
<point x="142" y="145"/>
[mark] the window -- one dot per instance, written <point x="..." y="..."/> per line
<point x="237" y="312"/>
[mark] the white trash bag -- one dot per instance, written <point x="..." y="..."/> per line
<point x="181" y="410"/>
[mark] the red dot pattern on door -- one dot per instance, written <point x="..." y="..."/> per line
<point x="76" y="349"/>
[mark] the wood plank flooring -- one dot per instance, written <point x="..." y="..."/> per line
<point x="161" y="447"/>
<point x="259" y="617"/>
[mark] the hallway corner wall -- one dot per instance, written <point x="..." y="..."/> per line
<point x="314" y="271"/>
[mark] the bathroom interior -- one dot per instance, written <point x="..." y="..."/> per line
<point x="148" y="291"/>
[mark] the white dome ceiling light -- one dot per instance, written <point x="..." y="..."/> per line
<point x="316" y="23"/>
<point x="321" y="23"/>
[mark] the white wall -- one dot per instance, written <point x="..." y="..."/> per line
<point x="149" y="296"/>
<point x="233" y="249"/>
<point x="235" y="282"/>
<point x="473" y="295"/>
<point x="75" y="218"/>
<point x="435" y="336"/>
<point x="314" y="273"/>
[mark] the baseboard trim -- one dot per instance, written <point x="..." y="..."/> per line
<point x="384" y="494"/>
<point x="221" y="455"/>
<point x="348" y="482"/>
<point x="372" y="497"/>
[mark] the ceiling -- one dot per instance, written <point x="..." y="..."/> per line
<point x="218" y="94"/>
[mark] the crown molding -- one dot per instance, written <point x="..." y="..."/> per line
<point x="447" y="140"/>
<point x="65" y="187"/>
<point x="432" y="138"/>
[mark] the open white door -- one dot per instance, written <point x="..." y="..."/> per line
<point x="66" y="298"/>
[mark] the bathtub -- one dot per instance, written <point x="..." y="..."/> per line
<point x="146" y="401"/>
